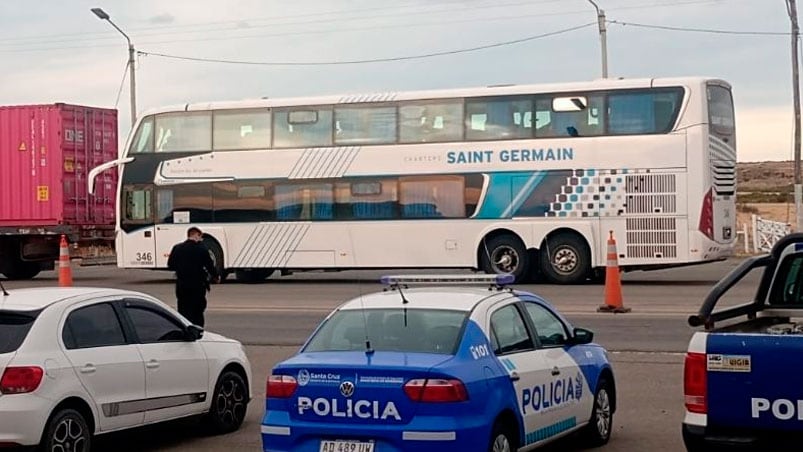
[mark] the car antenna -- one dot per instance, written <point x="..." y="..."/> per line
<point x="404" y="303"/>
<point x="5" y="294"/>
<point x="368" y="349"/>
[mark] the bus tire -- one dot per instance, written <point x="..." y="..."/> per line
<point x="216" y="253"/>
<point x="565" y="259"/>
<point x="504" y="254"/>
<point x="253" y="275"/>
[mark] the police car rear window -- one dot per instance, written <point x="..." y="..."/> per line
<point x="413" y="331"/>
<point x="14" y="327"/>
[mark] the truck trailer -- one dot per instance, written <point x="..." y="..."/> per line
<point x="46" y="152"/>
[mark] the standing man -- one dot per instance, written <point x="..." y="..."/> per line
<point x="194" y="269"/>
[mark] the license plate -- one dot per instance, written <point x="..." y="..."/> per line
<point x="346" y="446"/>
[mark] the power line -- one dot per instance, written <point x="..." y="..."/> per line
<point x="376" y="60"/>
<point x="84" y="37"/>
<point x="700" y="30"/>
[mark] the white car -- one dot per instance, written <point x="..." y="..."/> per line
<point x="75" y="362"/>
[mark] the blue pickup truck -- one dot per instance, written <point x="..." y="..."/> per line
<point x="743" y="373"/>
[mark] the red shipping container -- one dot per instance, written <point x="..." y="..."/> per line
<point x="46" y="152"/>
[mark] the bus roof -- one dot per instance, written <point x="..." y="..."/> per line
<point x="494" y="90"/>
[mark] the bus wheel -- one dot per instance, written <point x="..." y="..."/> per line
<point x="216" y="253"/>
<point x="253" y="275"/>
<point x="565" y="259"/>
<point x="504" y="254"/>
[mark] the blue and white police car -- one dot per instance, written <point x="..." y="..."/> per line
<point x="440" y="368"/>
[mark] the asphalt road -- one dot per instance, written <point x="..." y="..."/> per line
<point x="274" y="317"/>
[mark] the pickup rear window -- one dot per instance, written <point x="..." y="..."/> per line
<point x="398" y="330"/>
<point x="14" y="327"/>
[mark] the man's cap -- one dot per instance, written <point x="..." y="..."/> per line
<point x="194" y="230"/>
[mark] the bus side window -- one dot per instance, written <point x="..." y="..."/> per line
<point x="302" y="127"/>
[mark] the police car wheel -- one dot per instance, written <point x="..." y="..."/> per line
<point x="598" y="430"/>
<point x="66" y="431"/>
<point x="229" y="403"/>
<point x="501" y="439"/>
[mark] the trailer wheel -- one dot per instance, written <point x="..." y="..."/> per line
<point x="20" y="270"/>
<point x="216" y="253"/>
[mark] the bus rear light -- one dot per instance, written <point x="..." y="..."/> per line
<point x="695" y="383"/>
<point x="707" y="215"/>
<point x="436" y="390"/>
<point x="280" y="386"/>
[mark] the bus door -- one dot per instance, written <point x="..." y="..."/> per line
<point x="136" y="238"/>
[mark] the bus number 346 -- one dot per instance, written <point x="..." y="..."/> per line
<point x="144" y="257"/>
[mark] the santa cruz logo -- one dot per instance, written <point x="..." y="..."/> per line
<point x="347" y="388"/>
<point x="303" y="377"/>
<point x="578" y="385"/>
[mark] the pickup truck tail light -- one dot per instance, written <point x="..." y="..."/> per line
<point x="695" y="383"/>
<point x="436" y="390"/>
<point x="280" y="386"/>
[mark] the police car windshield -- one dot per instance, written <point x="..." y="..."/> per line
<point x="425" y="331"/>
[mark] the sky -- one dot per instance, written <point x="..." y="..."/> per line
<point x="58" y="51"/>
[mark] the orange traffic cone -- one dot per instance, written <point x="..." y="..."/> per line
<point x="65" y="272"/>
<point x="613" y="283"/>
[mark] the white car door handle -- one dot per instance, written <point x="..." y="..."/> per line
<point x="88" y="369"/>
<point x="152" y="364"/>
<point x="514" y="376"/>
<point x="555" y="371"/>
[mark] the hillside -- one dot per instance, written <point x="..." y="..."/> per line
<point x="765" y="176"/>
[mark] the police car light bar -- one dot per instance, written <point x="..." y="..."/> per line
<point x="497" y="280"/>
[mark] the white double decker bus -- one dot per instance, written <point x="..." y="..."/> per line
<point x="524" y="179"/>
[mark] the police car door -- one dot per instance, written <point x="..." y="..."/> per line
<point x="571" y="395"/>
<point x="531" y="371"/>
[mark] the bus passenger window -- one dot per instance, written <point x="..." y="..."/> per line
<point x="503" y="118"/>
<point x="304" y="202"/>
<point x="642" y="112"/>
<point x="432" y="197"/>
<point x="242" y="130"/>
<point x="431" y="122"/>
<point x="365" y="125"/>
<point x="302" y="127"/>
<point x="184" y="132"/>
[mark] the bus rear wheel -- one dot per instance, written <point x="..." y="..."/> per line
<point x="504" y="254"/>
<point x="565" y="259"/>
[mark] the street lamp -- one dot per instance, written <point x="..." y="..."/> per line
<point x="133" y="90"/>
<point x="602" y="38"/>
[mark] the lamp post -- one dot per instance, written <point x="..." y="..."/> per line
<point x="603" y="40"/>
<point x="132" y="74"/>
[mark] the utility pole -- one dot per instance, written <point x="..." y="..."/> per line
<point x="603" y="40"/>
<point x="102" y="15"/>
<point x="791" y="8"/>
